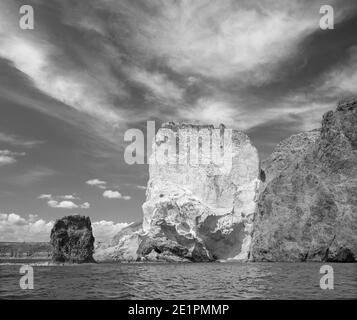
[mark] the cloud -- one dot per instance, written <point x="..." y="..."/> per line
<point x="66" y="204"/>
<point x="97" y="183"/>
<point x="14" y="227"/>
<point x="114" y="195"/>
<point x="58" y="202"/>
<point x="141" y="187"/>
<point x="18" y="141"/>
<point x="106" y="230"/>
<point x="68" y="197"/>
<point x="62" y="204"/>
<point x="78" y="78"/>
<point x="73" y="87"/>
<point x="9" y="157"/>
<point x="85" y="205"/>
<point x="341" y="80"/>
<point x="225" y="38"/>
<point x="157" y="83"/>
<point x="209" y="111"/>
<point x="65" y="197"/>
<point x="44" y="196"/>
<point x="31" y="176"/>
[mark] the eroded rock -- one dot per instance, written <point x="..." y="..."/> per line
<point x="307" y="208"/>
<point x="72" y="240"/>
<point x="206" y="208"/>
<point x="195" y="210"/>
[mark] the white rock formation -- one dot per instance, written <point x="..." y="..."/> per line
<point x="201" y="197"/>
<point x="210" y="201"/>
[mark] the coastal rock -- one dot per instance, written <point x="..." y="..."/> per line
<point x="123" y="247"/>
<point x="200" y="199"/>
<point x="201" y="210"/>
<point x="307" y="207"/>
<point x="72" y="240"/>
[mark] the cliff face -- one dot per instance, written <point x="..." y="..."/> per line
<point x="201" y="210"/>
<point x="200" y="198"/>
<point x="307" y="207"/>
<point x="123" y="247"/>
<point x="303" y="208"/>
<point x="72" y="240"/>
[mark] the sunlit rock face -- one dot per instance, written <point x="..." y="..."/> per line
<point x="123" y="246"/>
<point x="307" y="207"/>
<point x="201" y="195"/>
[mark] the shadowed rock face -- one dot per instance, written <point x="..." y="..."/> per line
<point x="307" y="208"/>
<point x="72" y="240"/>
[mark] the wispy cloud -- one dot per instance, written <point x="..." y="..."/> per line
<point x="209" y="111"/>
<point x="9" y="157"/>
<point x="97" y="183"/>
<point x="157" y="83"/>
<point x="31" y="176"/>
<point x="222" y="39"/>
<point x="18" y="141"/>
<point x="73" y="87"/>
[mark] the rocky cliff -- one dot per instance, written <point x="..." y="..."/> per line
<point x="72" y="240"/>
<point x="200" y="200"/>
<point x="301" y="205"/>
<point x="307" y="207"/>
<point x="123" y="247"/>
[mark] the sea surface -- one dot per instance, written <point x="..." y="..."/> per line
<point x="178" y="281"/>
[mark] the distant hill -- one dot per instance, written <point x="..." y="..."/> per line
<point x="26" y="250"/>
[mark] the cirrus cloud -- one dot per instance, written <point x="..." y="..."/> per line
<point x="9" y="157"/>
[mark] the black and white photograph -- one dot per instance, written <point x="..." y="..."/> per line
<point x="180" y="150"/>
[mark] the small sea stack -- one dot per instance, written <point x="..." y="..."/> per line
<point x="72" y="240"/>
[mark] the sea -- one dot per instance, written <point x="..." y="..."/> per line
<point x="203" y="281"/>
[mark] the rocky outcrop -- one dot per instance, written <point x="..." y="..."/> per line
<point x="307" y="207"/>
<point x="72" y="240"/>
<point x="200" y="199"/>
<point x="203" y="206"/>
<point x="123" y="247"/>
<point x="301" y="205"/>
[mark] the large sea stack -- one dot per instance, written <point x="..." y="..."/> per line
<point x="194" y="211"/>
<point x="307" y="208"/>
<point x="72" y="240"/>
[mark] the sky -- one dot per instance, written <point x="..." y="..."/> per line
<point x="92" y="69"/>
